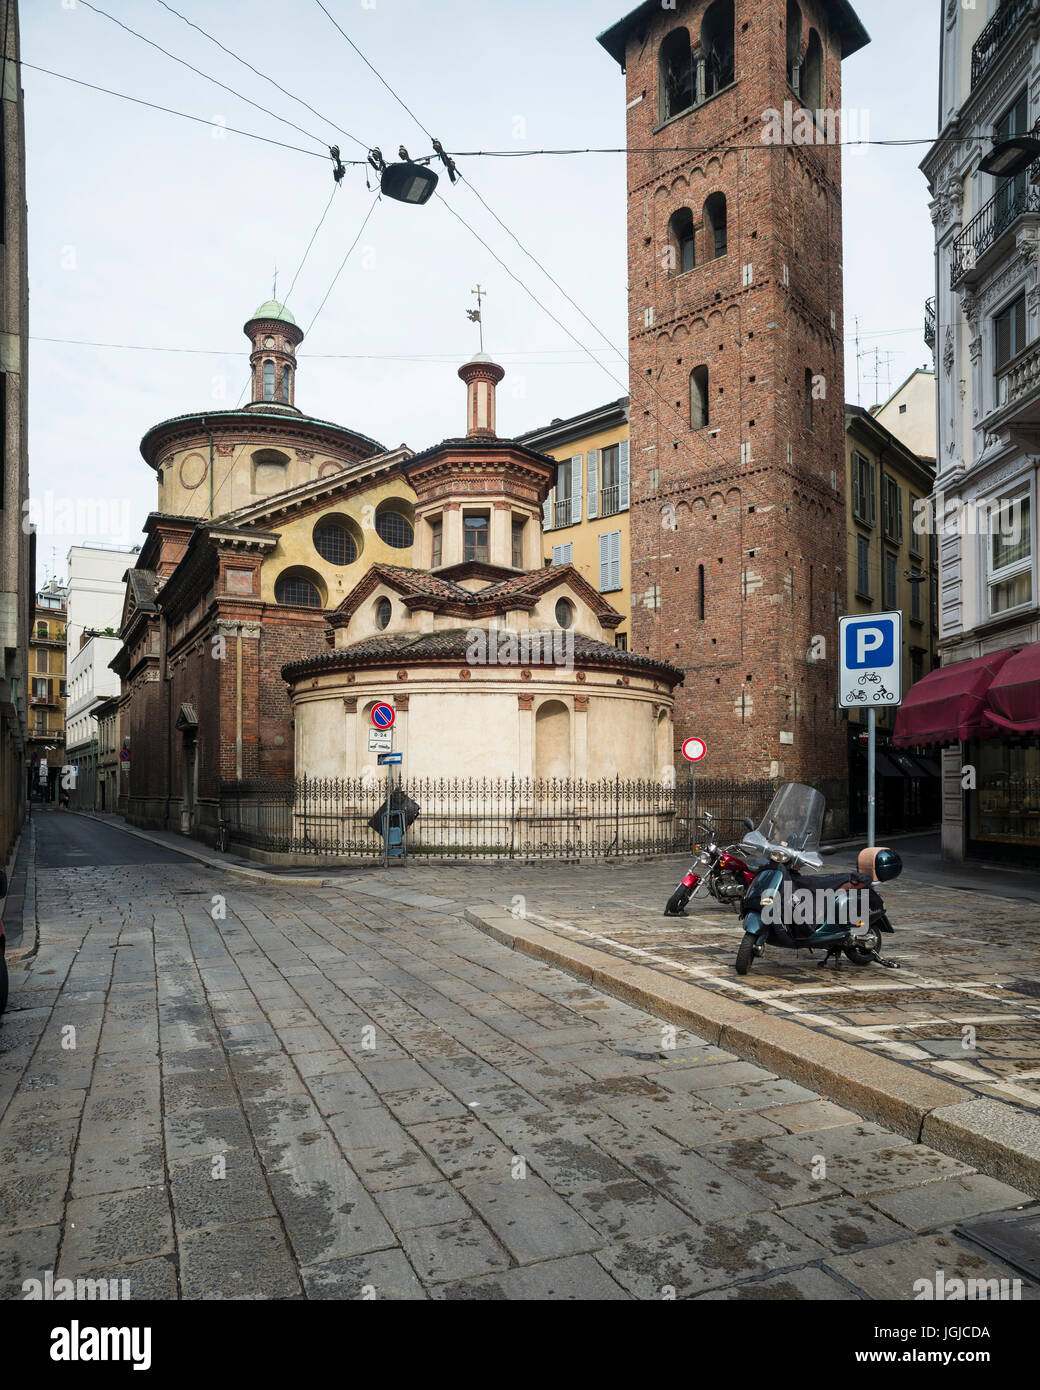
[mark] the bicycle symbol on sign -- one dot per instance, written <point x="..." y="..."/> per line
<point x="871" y="676"/>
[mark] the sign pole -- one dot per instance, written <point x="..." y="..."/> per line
<point x="386" y="818"/>
<point x="871" y="780"/>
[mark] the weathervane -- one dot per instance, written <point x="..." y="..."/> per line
<point x="475" y="315"/>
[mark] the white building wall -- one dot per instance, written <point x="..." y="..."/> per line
<point x="89" y="680"/>
<point x="982" y="267"/>
<point x="96" y="588"/>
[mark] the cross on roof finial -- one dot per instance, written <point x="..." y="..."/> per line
<point x="274" y="287"/>
<point x="476" y="315"/>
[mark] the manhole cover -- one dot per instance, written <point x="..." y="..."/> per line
<point x="1030" y="987"/>
<point x="1014" y="1238"/>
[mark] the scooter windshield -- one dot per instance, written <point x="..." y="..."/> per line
<point x="794" y="818"/>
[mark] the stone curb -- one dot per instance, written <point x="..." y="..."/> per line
<point x="29" y="941"/>
<point x="998" y="1139"/>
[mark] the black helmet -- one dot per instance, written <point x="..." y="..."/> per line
<point x="887" y="865"/>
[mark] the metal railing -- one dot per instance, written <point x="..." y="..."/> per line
<point x="609" y="500"/>
<point x="999" y="31"/>
<point x="929" y="322"/>
<point x="1006" y="206"/>
<point x="487" y="818"/>
<point x="561" y="513"/>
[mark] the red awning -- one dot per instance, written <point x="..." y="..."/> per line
<point x="948" y="705"/>
<point x="1013" y="702"/>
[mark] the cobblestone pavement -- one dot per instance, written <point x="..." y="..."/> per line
<point x="214" y="1089"/>
<point x="968" y="961"/>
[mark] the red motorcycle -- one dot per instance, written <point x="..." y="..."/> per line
<point x="723" y="871"/>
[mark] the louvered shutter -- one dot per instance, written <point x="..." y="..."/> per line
<point x="592" y="469"/>
<point x="623" y="476"/>
<point x="615" y="559"/>
<point x="576" y="488"/>
<point x="604" y="563"/>
<point x="547" y="510"/>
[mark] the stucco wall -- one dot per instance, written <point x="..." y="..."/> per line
<point x="478" y="727"/>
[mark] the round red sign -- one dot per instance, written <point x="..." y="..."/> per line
<point x="694" y="749"/>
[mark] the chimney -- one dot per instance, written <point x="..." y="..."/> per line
<point x="481" y="376"/>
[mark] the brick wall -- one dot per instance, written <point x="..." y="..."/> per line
<point x="752" y="502"/>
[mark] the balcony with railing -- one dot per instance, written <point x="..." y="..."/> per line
<point x="929" y="322"/>
<point x="609" y="500"/>
<point x="987" y="230"/>
<point x="997" y="34"/>
<point x="1018" y="393"/>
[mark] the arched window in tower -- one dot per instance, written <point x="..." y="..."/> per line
<point x="715" y="226"/>
<point x="680" y="232"/>
<point x="268" y="381"/>
<point x="675" y="67"/>
<point x="699" y="398"/>
<point x="812" y="73"/>
<point x="287" y="385"/>
<point x="717" y="46"/>
<point x="808" y="398"/>
<point x="794" y="44"/>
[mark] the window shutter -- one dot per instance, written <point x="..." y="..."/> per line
<point x="592" y="468"/>
<point x="615" y="559"/>
<point x="873" y="494"/>
<point x="576" y="488"/>
<point x="623" y="475"/>
<point x="604" y="563"/>
<point x="547" y="510"/>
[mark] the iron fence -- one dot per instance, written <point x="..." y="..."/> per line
<point x="486" y="818"/>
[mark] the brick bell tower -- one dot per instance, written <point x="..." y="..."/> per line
<point x="736" y="371"/>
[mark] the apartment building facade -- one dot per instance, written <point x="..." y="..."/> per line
<point x="45" y="753"/>
<point x="17" y="543"/>
<point x="983" y="707"/>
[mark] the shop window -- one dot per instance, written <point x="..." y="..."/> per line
<point x="1005" y="806"/>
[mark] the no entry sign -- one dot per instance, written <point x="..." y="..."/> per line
<point x="383" y="716"/>
<point x="694" y="749"/>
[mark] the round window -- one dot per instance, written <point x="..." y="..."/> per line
<point x="334" y="543"/>
<point x="297" y="592"/>
<point x="394" y="529"/>
<point x="564" y="612"/>
<point x="384" y="612"/>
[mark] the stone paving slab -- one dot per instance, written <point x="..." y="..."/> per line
<point x="514" y="1133"/>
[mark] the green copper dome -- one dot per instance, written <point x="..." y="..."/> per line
<point x="273" y="310"/>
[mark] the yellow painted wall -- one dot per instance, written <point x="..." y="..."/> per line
<point x="912" y="553"/>
<point x="585" y="534"/>
<point x="296" y="547"/>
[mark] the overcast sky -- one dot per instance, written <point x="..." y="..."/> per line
<point x="150" y="231"/>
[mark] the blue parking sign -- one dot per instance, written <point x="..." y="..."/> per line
<point x="870" y="660"/>
<point x="869" y="642"/>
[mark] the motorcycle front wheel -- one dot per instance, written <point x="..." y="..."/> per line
<point x="745" y="953"/>
<point x="676" y="904"/>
